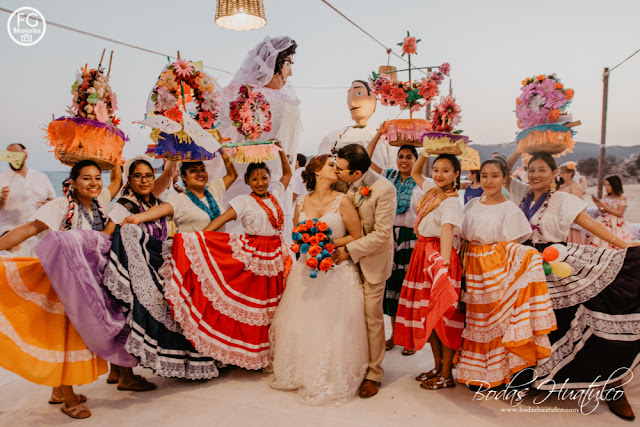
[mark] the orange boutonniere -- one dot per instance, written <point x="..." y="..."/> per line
<point x="365" y="191"/>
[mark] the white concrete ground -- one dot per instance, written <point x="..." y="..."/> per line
<point x="243" y="398"/>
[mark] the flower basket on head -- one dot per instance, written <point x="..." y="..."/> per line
<point x="250" y="114"/>
<point x="541" y="110"/>
<point x="443" y="139"/>
<point x="182" y="110"/>
<point x="90" y="131"/>
<point x="410" y="95"/>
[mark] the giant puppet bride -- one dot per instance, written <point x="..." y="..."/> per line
<point x="266" y="68"/>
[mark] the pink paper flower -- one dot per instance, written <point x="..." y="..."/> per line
<point x="183" y="68"/>
<point x="445" y="69"/>
<point x="101" y="112"/>
<point x="409" y="45"/>
<point x="206" y="119"/>
<point x="114" y="101"/>
<point x="166" y="99"/>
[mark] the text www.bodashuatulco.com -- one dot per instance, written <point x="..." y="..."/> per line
<point x="521" y="409"/>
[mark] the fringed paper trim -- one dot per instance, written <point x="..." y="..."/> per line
<point x="406" y="129"/>
<point x="178" y="146"/>
<point x="253" y="152"/>
<point x="437" y="143"/>
<point x="555" y="139"/>
<point x="76" y="138"/>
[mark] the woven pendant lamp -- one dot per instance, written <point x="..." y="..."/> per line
<point x="240" y="15"/>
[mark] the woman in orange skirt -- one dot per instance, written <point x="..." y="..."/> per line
<point x="428" y="305"/>
<point x="508" y="309"/>
<point x="37" y="339"/>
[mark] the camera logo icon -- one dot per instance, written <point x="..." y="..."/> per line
<point x="26" y="26"/>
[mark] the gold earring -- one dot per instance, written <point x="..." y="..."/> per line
<point x="553" y="187"/>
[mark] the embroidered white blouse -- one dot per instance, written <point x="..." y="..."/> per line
<point x="556" y="219"/>
<point x="254" y="219"/>
<point x="187" y="216"/>
<point x="448" y="212"/>
<point x="488" y="224"/>
<point x="54" y="213"/>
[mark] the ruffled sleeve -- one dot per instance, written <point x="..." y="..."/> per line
<point x="52" y="214"/>
<point x="118" y="213"/>
<point x="428" y="184"/>
<point x="515" y="225"/>
<point x="452" y="214"/>
<point x="518" y="190"/>
<point x="571" y="206"/>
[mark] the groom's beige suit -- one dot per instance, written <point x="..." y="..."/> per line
<point x="373" y="252"/>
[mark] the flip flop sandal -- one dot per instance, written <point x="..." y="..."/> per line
<point x="55" y="400"/>
<point x="79" y="411"/>
<point x="441" y="382"/>
<point x="425" y="376"/>
<point x="407" y="352"/>
<point x="389" y="344"/>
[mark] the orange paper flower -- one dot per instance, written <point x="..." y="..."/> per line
<point x="314" y="250"/>
<point x="554" y="115"/>
<point x="174" y="114"/>
<point x="302" y="228"/>
<point x="559" y="86"/>
<point x="329" y="247"/>
<point x="314" y="240"/>
<point x="569" y="93"/>
<point x="325" y="264"/>
<point x="541" y="77"/>
<point x="321" y="236"/>
<point x="312" y="263"/>
<point x="295" y="248"/>
<point x="305" y="238"/>
<point x="364" y="191"/>
<point x="322" y="226"/>
<point x="309" y="223"/>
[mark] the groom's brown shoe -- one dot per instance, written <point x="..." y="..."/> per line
<point x="369" y="388"/>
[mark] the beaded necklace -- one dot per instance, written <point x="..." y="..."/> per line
<point x="212" y="210"/>
<point x="277" y="224"/>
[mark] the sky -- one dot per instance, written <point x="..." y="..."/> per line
<point x="491" y="45"/>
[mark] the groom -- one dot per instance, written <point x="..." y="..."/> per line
<point x="375" y="199"/>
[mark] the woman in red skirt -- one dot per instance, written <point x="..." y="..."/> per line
<point x="225" y="287"/>
<point x="428" y="306"/>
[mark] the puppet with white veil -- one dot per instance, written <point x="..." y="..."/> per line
<point x="266" y="68"/>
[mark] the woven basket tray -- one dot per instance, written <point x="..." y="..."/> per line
<point x="454" y="149"/>
<point x="70" y="159"/>
<point x="548" y="147"/>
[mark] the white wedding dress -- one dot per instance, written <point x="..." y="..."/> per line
<point x="319" y="333"/>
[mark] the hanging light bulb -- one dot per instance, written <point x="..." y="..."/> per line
<point x="240" y="15"/>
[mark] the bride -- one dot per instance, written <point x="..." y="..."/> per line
<point x="318" y="335"/>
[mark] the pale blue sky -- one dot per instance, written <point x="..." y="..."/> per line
<point x="491" y="45"/>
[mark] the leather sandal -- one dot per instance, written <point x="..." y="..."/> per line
<point x="407" y="352"/>
<point x="389" y="344"/>
<point x="425" y="376"/>
<point x="439" y="383"/>
<point x="79" y="411"/>
<point x="55" y="400"/>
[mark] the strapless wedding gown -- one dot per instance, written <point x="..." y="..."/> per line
<point x="319" y="333"/>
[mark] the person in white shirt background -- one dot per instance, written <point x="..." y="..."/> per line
<point x="22" y="191"/>
<point x="298" y="187"/>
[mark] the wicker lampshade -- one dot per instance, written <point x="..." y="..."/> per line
<point x="240" y="15"/>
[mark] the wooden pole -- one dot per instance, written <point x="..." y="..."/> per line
<point x="110" y="59"/>
<point x="603" y="130"/>
<point x="101" y="58"/>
